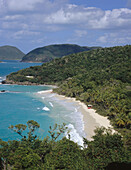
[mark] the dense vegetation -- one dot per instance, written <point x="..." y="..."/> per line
<point x="31" y="153"/>
<point x="100" y="77"/>
<point x="10" y="53"/>
<point x="48" y="53"/>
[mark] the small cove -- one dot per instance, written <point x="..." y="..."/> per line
<point x="21" y="103"/>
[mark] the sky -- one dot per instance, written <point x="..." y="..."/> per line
<point x="29" y="24"/>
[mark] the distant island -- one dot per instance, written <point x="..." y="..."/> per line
<point x="10" y="53"/>
<point x="48" y="53"/>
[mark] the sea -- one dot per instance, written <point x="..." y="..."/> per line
<point x="20" y="103"/>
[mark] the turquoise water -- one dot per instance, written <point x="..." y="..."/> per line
<point x="17" y="105"/>
<point x="9" y="66"/>
<point x="22" y="103"/>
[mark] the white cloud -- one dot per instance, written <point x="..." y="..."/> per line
<point x="103" y="39"/>
<point x="115" y="38"/>
<point x="23" y="33"/>
<point x="14" y="25"/>
<point x="31" y="5"/>
<point x="61" y="13"/>
<point x="117" y="18"/>
<point x="9" y="25"/>
<point x="93" y="18"/>
<point x="12" y="17"/>
<point x="30" y="18"/>
<point x="16" y="5"/>
<point x="2" y="7"/>
<point x="74" y="15"/>
<point x="80" y="33"/>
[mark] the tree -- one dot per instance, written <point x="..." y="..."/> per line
<point x="57" y="130"/>
<point x="65" y="154"/>
<point x="32" y="126"/>
<point x="105" y="148"/>
<point x="19" y="128"/>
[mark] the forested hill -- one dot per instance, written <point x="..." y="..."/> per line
<point x="10" y="53"/>
<point x="48" y="53"/>
<point x="100" y="77"/>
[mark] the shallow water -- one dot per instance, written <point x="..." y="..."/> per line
<point x="63" y="110"/>
<point x="22" y="103"/>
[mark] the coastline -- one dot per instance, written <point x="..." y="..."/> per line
<point x="91" y="119"/>
<point x="5" y="82"/>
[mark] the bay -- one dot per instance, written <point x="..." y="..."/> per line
<point x="21" y="103"/>
<point x="16" y="104"/>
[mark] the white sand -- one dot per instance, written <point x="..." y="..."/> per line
<point x="90" y="117"/>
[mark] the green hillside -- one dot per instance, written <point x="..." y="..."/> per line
<point x="10" y="53"/>
<point x="101" y="77"/>
<point x="48" y="53"/>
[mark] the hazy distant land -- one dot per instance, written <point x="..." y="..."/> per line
<point x="10" y="53"/>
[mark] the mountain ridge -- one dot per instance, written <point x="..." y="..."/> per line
<point x="50" y="52"/>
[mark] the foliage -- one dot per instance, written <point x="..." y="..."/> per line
<point x="62" y="154"/>
<point x="48" y="53"/>
<point x="65" y="155"/>
<point x="56" y="131"/>
<point x="105" y="148"/>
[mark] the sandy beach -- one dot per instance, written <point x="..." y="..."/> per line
<point x="90" y="117"/>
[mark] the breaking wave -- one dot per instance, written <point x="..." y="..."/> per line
<point x="46" y="108"/>
<point x="74" y="135"/>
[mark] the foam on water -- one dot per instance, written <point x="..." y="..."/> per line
<point x="51" y="104"/>
<point x="2" y="78"/>
<point x="41" y="92"/>
<point x="74" y="135"/>
<point x="46" y="108"/>
<point x="65" y="111"/>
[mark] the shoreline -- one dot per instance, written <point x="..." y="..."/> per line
<point x="91" y="119"/>
<point x="26" y="84"/>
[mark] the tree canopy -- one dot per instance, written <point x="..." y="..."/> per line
<point x="49" y="153"/>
